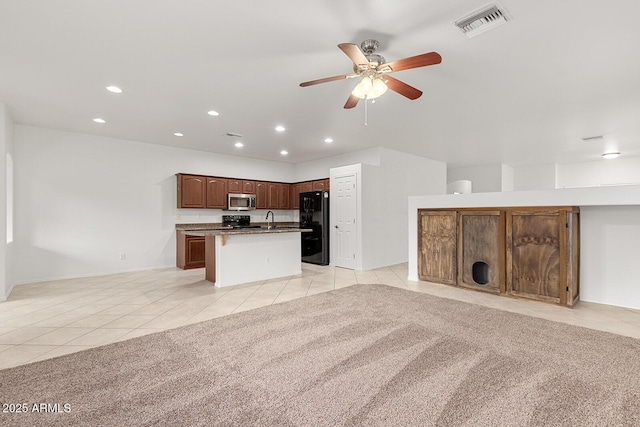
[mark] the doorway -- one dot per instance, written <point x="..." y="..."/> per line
<point x="343" y="192"/>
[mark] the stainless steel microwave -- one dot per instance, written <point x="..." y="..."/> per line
<point x="241" y="202"/>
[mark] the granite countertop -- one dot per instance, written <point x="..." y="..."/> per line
<point x="218" y="226"/>
<point x="226" y="231"/>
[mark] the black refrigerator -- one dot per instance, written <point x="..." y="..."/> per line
<point x="314" y="214"/>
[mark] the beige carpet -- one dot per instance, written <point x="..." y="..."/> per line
<point x="362" y="355"/>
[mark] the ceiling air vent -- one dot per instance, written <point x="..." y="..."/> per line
<point x="481" y="21"/>
<point x="593" y="138"/>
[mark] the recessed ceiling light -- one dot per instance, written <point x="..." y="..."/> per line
<point x="328" y="140"/>
<point x="99" y="120"/>
<point x="178" y="134"/>
<point x="213" y="113"/>
<point x="611" y="155"/>
<point x="239" y="144"/>
<point x="114" y="89"/>
<point x="280" y="128"/>
<point x="284" y="152"/>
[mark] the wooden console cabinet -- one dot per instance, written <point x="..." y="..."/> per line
<point x="520" y="252"/>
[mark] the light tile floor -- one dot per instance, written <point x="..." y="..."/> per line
<point x="44" y="320"/>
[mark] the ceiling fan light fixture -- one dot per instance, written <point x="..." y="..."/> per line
<point x="370" y="88"/>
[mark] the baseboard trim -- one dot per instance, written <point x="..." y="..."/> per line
<point x="96" y="274"/>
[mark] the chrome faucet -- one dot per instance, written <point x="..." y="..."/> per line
<point x="273" y="220"/>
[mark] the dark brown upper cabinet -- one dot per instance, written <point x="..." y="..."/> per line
<point x="284" y="196"/>
<point x="295" y="195"/>
<point x="261" y="195"/>
<point x="273" y="200"/>
<point x="307" y="186"/>
<point x="248" y="187"/>
<point x="234" y="185"/>
<point x="216" y="193"/>
<point x="318" y="185"/>
<point x="192" y="191"/>
<point x="209" y="192"/>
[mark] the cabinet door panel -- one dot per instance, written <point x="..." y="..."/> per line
<point x="272" y="195"/>
<point x="482" y="249"/>
<point x="307" y="186"/>
<point x="195" y="252"/>
<point x="535" y="255"/>
<point x="248" y="187"/>
<point x="261" y="195"/>
<point x="283" y="196"/>
<point x="191" y="191"/>
<point x="234" y="185"/>
<point x="295" y="196"/>
<point x="437" y="246"/>
<point x="216" y="193"/>
<point x="318" y="185"/>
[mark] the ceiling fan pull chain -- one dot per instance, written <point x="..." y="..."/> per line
<point x="365" y="110"/>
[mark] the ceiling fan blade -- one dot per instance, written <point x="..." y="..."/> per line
<point x="352" y="101"/>
<point x="328" y="79"/>
<point x="402" y="88"/>
<point x="354" y="53"/>
<point x="423" y="60"/>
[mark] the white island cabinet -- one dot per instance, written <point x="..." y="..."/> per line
<point x="233" y="257"/>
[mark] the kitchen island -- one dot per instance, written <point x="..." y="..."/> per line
<point x="234" y="256"/>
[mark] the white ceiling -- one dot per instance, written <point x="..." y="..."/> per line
<point x="523" y="93"/>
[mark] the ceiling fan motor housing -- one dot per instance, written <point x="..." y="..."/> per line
<point x="368" y="48"/>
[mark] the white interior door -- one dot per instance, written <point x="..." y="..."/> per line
<point x="344" y="231"/>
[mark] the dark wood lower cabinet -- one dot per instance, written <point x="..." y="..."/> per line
<point x="520" y="252"/>
<point x="190" y="251"/>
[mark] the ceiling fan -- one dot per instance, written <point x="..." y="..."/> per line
<point x="375" y="71"/>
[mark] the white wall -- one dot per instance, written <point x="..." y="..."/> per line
<point x="484" y="178"/>
<point x="386" y="192"/>
<point x="534" y="177"/>
<point x="318" y="169"/>
<point x="82" y="200"/>
<point x="507" y="178"/>
<point x="609" y="255"/>
<point x="6" y="203"/>
<point x="620" y="171"/>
